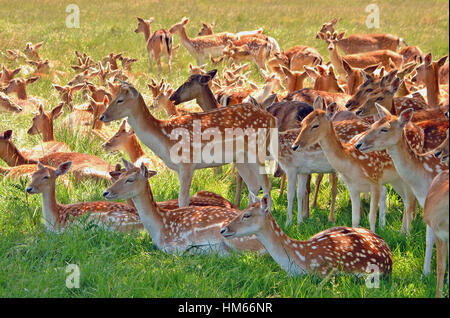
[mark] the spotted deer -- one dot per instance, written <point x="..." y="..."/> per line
<point x="191" y="229"/>
<point x="435" y="215"/>
<point x="416" y="170"/>
<point x="8" y="105"/>
<point x="441" y="152"/>
<point x="58" y="217"/>
<point x="361" y="172"/>
<point x="296" y="58"/>
<point x="355" y="77"/>
<point x="358" y="43"/>
<point x="157" y="43"/>
<point x="162" y="100"/>
<point x="42" y="123"/>
<point x="84" y="166"/>
<point x="339" y="249"/>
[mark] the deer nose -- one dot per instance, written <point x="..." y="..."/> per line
<point x="358" y="145"/>
<point x="102" y="117"/>
<point x="437" y="153"/>
<point x="358" y="112"/>
<point x="105" y="193"/>
<point x="29" y="189"/>
<point x="294" y="147"/>
<point x="223" y="230"/>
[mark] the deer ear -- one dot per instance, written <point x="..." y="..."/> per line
<point x="212" y="73"/>
<point x="395" y="85"/>
<point x="115" y="174"/>
<point x="7" y="134"/>
<point x="405" y="116"/>
<point x="322" y="35"/>
<point x="57" y="111"/>
<point x="428" y="59"/>
<point x="341" y="35"/>
<point x="331" y="110"/>
<point x="32" y="79"/>
<point x="347" y="68"/>
<point x="185" y="20"/>
<point x="63" y="168"/>
<point x="40" y="165"/>
<point x="106" y="100"/>
<point x="123" y="125"/>
<point x="269" y="101"/>
<point x="319" y="103"/>
<point x="265" y="204"/>
<point x="253" y="101"/>
<point x="311" y="72"/>
<point x="334" y="21"/>
<point x="128" y="165"/>
<point x="442" y="61"/>
<point x="41" y="109"/>
<point x="382" y="111"/>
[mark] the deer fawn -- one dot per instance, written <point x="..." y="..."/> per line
<point x="156" y="135"/>
<point x="435" y="215"/>
<point x="19" y="86"/>
<point x="351" y="250"/>
<point x="359" y="43"/>
<point x="8" y="74"/>
<point x="31" y="51"/>
<point x="417" y="170"/>
<point x="191" y="229"/>
<point x="57" y="217"/>
<point x="361" y="172"/>
<point x="158" y="42"/>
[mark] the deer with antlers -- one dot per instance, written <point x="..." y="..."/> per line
<point x="156" y="135"/>
<point x="157" y="43"/>
<point x="57" y="217"/>
<point x="351" y="250"/>
<point x="417" y="170"/>
<point x="361" y="172"/>
<point x="191" y="229"/>
<point x="359" y="43"/>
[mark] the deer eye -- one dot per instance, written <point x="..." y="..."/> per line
<point x="129" y="180"/>
<point x="369" y="90"/>
<point x="246" y="216"/>
<point x="315" y="126"/>
<point x="45" y="178"/>
<point x="384" y="130"/>
<point x="379" y="98"/>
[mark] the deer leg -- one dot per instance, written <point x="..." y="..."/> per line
<point x="356" y="206"/>
<point x="316" y="190"/>
<point x="291" y="175"/>
<point x="441" y="264"/>
<point x="334" y="181"/>
<point x="305" y="207"/>
<point x="237" y="196"/>
<point x="283" y="182"/>
<point x="185" y="180"/>
<point x="409" y="203"/>
<point x="303" y="179"/>
<point x="428" y="250"/>
<point x="249" y="177"/>
<point x="374" y="198"/>
<point x="383" y="195"/>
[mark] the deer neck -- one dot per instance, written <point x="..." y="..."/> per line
<point x="411" y="169"/>
<point x="336" y="60"/>
<point x="206" y="99"/>
<point x="50" y="208"/>
<point x="147" y="32"/>
<point x="432" y="84"/>
<point x="151" y="216"/>
<point x="22" y="92"/>
<point x="333" y="149"/>
<point x="13" y="157"/>
<point x="185" y="39"/>
<point x="150" y="130"/>
<point x="134" y="149"/>
<point x="47" y="132"/>
<point x="281" y="247"/>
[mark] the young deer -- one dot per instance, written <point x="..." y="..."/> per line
<point x="42" y="123"/>
<point x="351" y="250"/>
<point x="203" y="46"/>
<point x="158" y="42"/>
<point x="6" y="104"/>
<point x="57" y="217"/>
<point x="156" y="135"/>
<point x="162" y="100"/>
<point x="19" y="86"/>
<point x="416" y="170"/>
<point x="8" y="74"/>
<point x="66" y="93"/>
<point x="294" y="79"/>
<point x="435" y="215"/>
<point x="83" y="165"/>
<point x="359" y="43"/>
<point x="324" y="78"/>
<point x="296" y="58"/>
<point x="361" y="172"/>
<point x="192" y="229"/>
<point x="31" y="51"/>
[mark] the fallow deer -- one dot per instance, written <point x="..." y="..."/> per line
<point x="6" y="104"/>
<point x="66" y="93"/>
<point x="351" y="250"/>
<point x="361" y="172"/>
<point x="191" y="229"/>
<point x="435" y="215"/>
<point x="157" y="43"/>
<point x="324" y="78"/>
<point x="19" y="86"/>
<point x="58" y="217"/>
<point x="156" y="135"/>
<point x="416" y="170"/>
<point x="31" y="51"/>
<point x="296" y="58"/>
<point x="8" y="74"/>
<point x="412" y="54"/>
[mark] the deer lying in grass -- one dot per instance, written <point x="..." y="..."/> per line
<point x="58" y="217"/>
<point x="191" y="229"/>
<point x="358" y="43"/>
<point x="84" y="166"/>
<point x="361" y="172"/>
<point x="42" y="123"/>
<point x="157" y="43"/>
<point x="66" y="93"/>
<point x="296" y="58"/>
<point x="6" y="104"/>
<point x="127" y="141"/>
<point x="435" y="215"/>
<point x="351" y="250"/>
<point x="8" y="74"/>
<point x="416" y="170"/>
<point x="360" y="60"/>
<point x="85" y="62"/>
<point x="31" y="51"/>
<point x="19" y="86"/>
<point x="155" y="134"/>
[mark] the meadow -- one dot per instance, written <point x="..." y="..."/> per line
<point x="33" y="261"/>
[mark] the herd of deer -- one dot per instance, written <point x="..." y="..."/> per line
<point x="373" y="116"/>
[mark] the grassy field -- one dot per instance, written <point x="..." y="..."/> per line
<point x="33" y="261"/>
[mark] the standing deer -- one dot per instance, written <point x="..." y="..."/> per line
<point x="351" y="250"/>
<point x="158" y="42"/>
<point x="156" y="134"/>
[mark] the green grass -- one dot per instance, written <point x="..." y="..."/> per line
<point x="33" y="261"/>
